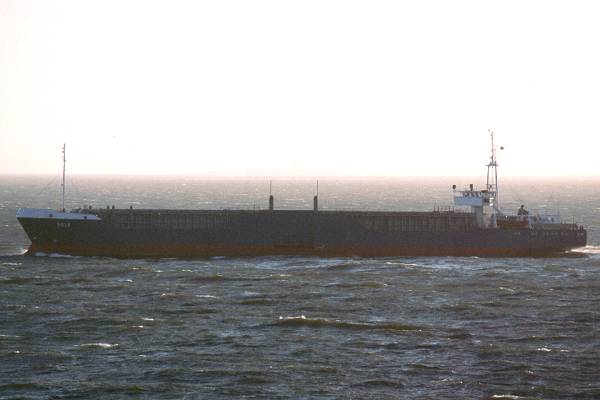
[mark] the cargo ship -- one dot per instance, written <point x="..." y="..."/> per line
<point x="476" y="228"/>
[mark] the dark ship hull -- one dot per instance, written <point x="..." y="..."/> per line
<point x="204" y="233"/>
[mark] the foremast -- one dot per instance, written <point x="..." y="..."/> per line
<point x="64" y="160"/>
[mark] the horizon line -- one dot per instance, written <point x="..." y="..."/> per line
<point x="291" y="177"/>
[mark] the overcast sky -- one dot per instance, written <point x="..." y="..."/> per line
<point x="300" y="88"/>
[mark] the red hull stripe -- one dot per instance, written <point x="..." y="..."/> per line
<point x="333" y="251"/>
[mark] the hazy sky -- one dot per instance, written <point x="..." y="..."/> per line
<point x="301" y="88"/>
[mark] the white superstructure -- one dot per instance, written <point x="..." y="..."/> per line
<point x="481" y="201"/>
<point x="478" y="200"/>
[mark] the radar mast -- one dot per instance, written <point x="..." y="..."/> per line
<point x="492" y="176"/>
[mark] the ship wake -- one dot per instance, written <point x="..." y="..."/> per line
<point x="592" y="250"/>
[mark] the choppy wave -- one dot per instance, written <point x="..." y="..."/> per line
<point x="343" y="266"/>
<point x="392" y="383"/>
<point x="53" y="255"/>
<point x="331" y="323"/>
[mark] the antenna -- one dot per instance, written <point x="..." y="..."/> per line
<point x="316" y="199"/>
<point x="64" y="159"/>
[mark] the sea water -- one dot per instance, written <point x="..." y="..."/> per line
<point x="297" y="327"/>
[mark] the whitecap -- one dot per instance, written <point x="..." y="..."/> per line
<point x="9" y="336"/>
<point x="100" y="345"/>
<point x="247" y="293"/>
<point x="506" y="289"/>
<point x="59" y="255"/>
<point x="543" y="349"/>
<point x="403" y="264"/>
<point x="291" y="318"/>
